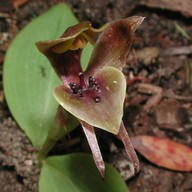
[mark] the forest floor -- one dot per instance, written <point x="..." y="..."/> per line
<point x="161" y="55"/>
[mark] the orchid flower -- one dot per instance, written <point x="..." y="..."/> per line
<point x="94" y="96"/>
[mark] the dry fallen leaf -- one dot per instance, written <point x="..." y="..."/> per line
<point x="18" y="3"/>
<point x="164" y="152"/>
<point x="146" y="55"/>
<point x="170" y="114"/>
<point x="184" y="7"/>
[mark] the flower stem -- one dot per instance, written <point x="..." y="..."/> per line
<point x="64" y="122"/>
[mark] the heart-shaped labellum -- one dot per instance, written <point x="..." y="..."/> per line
<point x="102" y="105"/>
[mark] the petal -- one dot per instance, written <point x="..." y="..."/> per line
<point x="92" y="140"/>
<point x="86" y="30"/>
<point x="67" y="65"/>
<point x="106" y="114"/>
<point x="92" y="34"/>
<point x="80" y="31"/>
<point x="114" y="43"/>
<point x="65" y="41"/>
<point x="64" y="53"/>
<point x="66" y="61"/>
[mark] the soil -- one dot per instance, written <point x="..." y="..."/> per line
<point x="164" y="68"/>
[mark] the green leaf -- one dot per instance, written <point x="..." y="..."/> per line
<point x="86" y="54"/>
<point x="64" y="123"/>
<point x="28" y="77"/>
<point x="77" y="173"/>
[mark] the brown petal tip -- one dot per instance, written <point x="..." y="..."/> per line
<point x="135" y="22"/>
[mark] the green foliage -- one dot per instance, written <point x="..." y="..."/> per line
<point x="77" y="173"/>
<point x="28" y="77"/>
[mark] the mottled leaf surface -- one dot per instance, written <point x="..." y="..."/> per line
<point x="164" y="152"/>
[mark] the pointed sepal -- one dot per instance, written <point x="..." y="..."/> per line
<point x="129" y="147"/>
<point x="92" y="141"/>
<point x="114" y="43"/>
